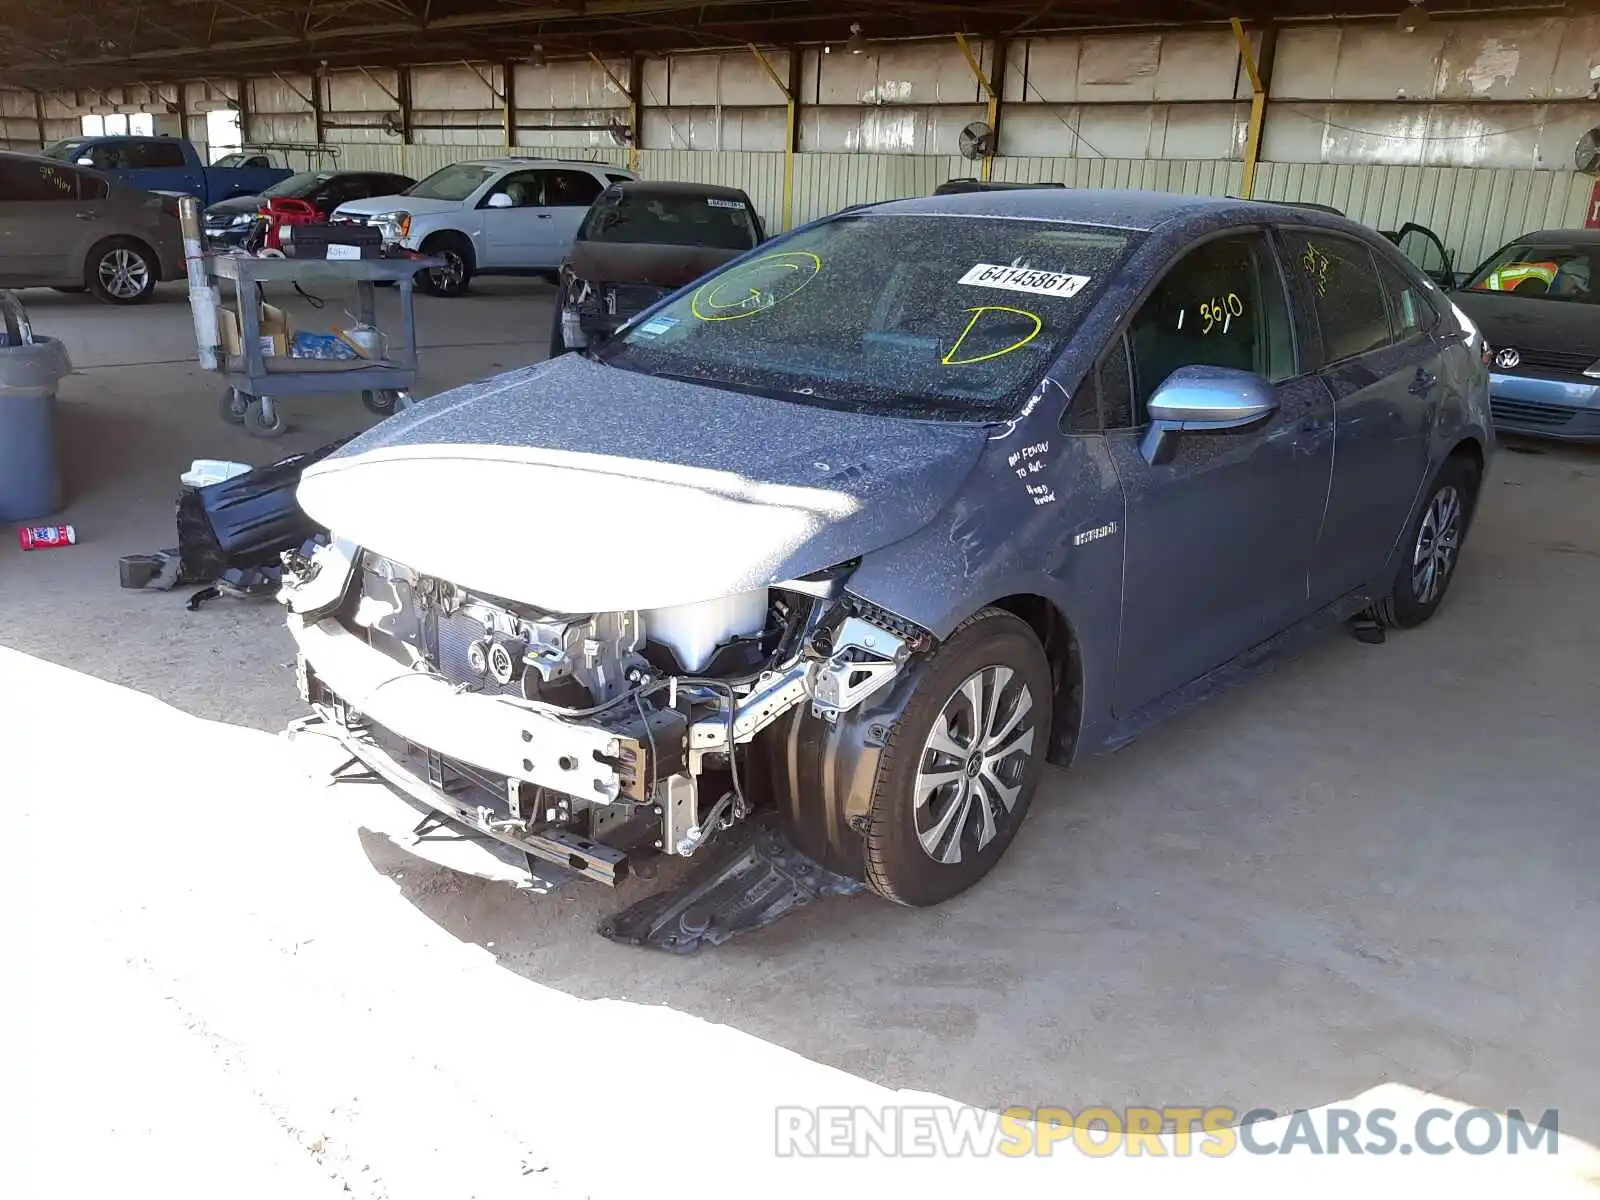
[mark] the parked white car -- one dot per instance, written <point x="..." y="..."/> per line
<point x="496" y="216"/>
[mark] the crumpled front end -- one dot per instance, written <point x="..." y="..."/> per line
<point x="575" y="738"/>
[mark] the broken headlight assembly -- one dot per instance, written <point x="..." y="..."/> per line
<point x="575" y="296"/>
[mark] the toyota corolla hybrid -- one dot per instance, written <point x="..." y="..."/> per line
<point x="877" y="519"/>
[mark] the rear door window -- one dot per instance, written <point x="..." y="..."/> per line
<point x="1341" y="277"/>
<point x="1410" y="313"/>
<point x="26" y="180"/>
<point x="154" y="153"/>
<point x="569" y="189"/>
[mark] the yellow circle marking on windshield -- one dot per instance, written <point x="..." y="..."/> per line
<point x="755" y="286"/>
<point x="950" y="360"/>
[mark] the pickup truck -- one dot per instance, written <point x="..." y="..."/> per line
<point x="164" y="164"/>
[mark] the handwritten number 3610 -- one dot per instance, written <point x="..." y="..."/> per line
<point x="1221" y="312"/>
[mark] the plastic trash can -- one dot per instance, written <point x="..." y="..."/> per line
<point x="31" y="368"/>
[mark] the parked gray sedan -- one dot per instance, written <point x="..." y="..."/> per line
<point x="72" y="228"/>
<point x="879" y="518"/>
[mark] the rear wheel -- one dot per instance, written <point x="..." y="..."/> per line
<point x="1432" y="546"/>
<point x="121" y="271"/>
<point x="455" y="277"/>
<point x="960" y="768"/>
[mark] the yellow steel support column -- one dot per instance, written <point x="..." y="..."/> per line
<point x="992" y="112"/>
<point x="1258" y="110"/>
<point x="633" y="111"/>
<point x="788" y="135"/>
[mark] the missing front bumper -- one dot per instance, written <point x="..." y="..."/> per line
<point x="477" y="808"/>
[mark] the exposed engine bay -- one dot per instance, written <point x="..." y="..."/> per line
<point x="577" y="738"/>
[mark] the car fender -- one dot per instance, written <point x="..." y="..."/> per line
<point x="1001" y="537"/>
<point x="426" y="226"/>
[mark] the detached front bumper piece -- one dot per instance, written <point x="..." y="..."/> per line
<point x="464" y="755"/>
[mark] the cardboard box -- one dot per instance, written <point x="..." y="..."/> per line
<point x="275" y="331"/>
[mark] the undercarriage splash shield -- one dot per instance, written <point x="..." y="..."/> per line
<point x="758" y="879"/>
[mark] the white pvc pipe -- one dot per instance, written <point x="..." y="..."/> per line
<point x="203" y="298"/>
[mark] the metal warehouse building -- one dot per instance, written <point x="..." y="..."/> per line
<point x="1462" y="117"/>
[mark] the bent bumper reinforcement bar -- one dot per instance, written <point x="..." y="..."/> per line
<point x="587" y="858"/>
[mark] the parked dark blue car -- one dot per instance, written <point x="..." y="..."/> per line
<point x="878" y="518"/>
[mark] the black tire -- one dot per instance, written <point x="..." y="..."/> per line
<point x="121" y="270"/>
<point x="1417" y="593"/>
<point x="896" y="864"/>
<point x="382" y="402"/>
<point x="458" y="278"/>
<point x="257" y="425"/>
<point x="232" y="406"/>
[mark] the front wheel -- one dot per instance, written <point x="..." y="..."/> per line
<point x="1431" y="547"/>
<point x="455" y="277"/>
<point x="960" y="768"/>
<point x="121" y="271"/>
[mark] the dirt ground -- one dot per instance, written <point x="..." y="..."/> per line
<point x="1369" y="867"/>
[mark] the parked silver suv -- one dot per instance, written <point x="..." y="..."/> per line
<point x="496" y="216"/>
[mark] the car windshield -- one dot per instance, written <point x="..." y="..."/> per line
<point x="455" y="182"/>
<point x="297" y="185"/>
<point x="944" y="317"/>
<point x="66" y="151"/>
<point x="669" y="219"/>
<point x="1547" y="270"/>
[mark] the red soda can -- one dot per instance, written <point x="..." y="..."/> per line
<point x="46" y="537"/>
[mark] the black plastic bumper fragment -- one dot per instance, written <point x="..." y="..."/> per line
<point x="757" y="879"/>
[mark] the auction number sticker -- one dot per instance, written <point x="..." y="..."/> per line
<point x="1024" y="279"/>
<point x="715" y="202"/>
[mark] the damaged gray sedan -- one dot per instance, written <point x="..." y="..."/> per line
<point x="873" y="522"/>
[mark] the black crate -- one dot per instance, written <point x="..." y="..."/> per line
<point x="312" y="240"/>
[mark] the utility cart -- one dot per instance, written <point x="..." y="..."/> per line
<point x="255" y="379"/>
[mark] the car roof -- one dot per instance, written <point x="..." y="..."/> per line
<point x="673" y="187"/>
<point x="1581" y="237"/>
<point x="1142" y="211"/>
<point x="512" y="160"/>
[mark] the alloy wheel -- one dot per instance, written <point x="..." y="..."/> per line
<point x="1437" y="542"/>
<point x="124" y="273"/>
<point x="973" y="764"/>
<point x="448" y="277"/>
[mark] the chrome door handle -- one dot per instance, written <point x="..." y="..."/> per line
<point x="87" y="216"/>
<point x="1422" y="382"/>
<point x="542" y="216"/>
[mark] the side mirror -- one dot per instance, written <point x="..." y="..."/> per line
<point x="500" y="200"/>
<point x="1203" y="400"/>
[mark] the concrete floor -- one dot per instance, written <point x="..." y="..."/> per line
<point x="1370" y="865"/>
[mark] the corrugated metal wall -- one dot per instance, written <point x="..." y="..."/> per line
<point x="1467" y="126"/>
